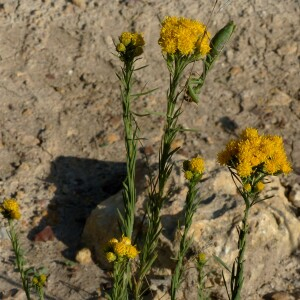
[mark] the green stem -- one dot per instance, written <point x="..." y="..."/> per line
<point x="129" y="191"/>
<point x="201" y="282"/>
<point x="120" y="275"/>
<point x="185" y="242"/>
<point x="41" y="293"/>
<point x="238" y="277"/>
<point x="19" y="257"/>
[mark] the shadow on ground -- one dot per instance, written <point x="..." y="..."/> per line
<point x="80" y="185"/>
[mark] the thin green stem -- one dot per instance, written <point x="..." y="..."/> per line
<point x="185" y="242"/>
<point x="237" y="280"/>
<point x="20" y="262"/>
<point x="129" y="191"/>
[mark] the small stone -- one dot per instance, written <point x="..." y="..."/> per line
<point x="282" y="296"/>
<point x="147" y="150"/>
<point x="112" y="138"/>
<point x="235" y="70"/>
<point x="29" y="140"/>
<point x="294" y="195"/>
<point x="278" y="98"/>
<point x="84" y="256"/>
<point x="115" y="122"/>
<point x="288" y="49"/>
<point x="79" y="3"/>
<point x="45" y="235"/>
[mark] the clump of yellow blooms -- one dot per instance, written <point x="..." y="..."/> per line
<point x="115" y="249"/>
<point x="193" y="168"/>
<point x="130" y="45"/>
<point x="184" y="36"/>
<point x="10" y="209"/>
<point x="39" y="280"/>
<point x="254" y="154"/>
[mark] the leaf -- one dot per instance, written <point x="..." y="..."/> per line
<point x="222" y="263"/>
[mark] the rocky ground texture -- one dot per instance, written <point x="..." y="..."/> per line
<point x="61" y="138"/>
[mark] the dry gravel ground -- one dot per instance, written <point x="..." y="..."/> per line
<point x="61" y="147"/>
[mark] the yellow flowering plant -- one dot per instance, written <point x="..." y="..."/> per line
<point x="38" y="282"/>
<point x="10" y="210"/>
<point x="183" y="41"/>
<point x="195" y="169"/>
<point x="251" y="158"/>
<point x="120" y="252"/>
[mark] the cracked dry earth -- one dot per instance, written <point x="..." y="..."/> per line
<point x="61" y="136"/>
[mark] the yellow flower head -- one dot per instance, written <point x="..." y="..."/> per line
<point x="130" y="45"/>
<point x="126" y="240"/>
<point x="184" y="36"/>
<point x="120" y="249"/>
<point x="253" y="153"/>
<point x="132" y="252"/>
<point x="188" y="175"/>
<point x="259" y="186"/>
<point x="110" y="256"/>
<point x="202" y="258"/>
<point x="125" y="38"/>
<point x="121" y="47"/>
<point x="137" y="40"/>
<point x="10" y="209"/>
<point x="110" y="244"/>
<point x="39" y="280"/>
<point x="196" y="165"/>
<point x="247" y="187"/>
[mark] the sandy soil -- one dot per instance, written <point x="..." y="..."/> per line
<point x="61" y="141"/>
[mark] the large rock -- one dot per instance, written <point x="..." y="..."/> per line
<point x="274" y="228"/>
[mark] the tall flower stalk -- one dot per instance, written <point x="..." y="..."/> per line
<point x="129" y="48"/>
<point x="11" y="211"/>
<point x="193" y="173"/>
<point x="182" y="41"/>
<point x="250" y="159"/>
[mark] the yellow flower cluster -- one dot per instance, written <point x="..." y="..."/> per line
<point x="193" y="167"/>
<point x="184" y="36"/>
<point x="130" y="45"/>
<point x="39" y="281"/>
<point x="253" y="153"/>
<point x="120" y="249"/>
<point x="10" y="209"/>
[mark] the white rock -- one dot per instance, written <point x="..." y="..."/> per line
<point x="84" y="256"/>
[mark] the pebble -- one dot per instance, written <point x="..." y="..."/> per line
<point x="288" y="49"/>
<point x="44" y="235"/>
<point x="282" y="296"/>
<point x="84" y="256"/>
<point x="294" y="195"/>
<point x="79" y="3"/>
<point x="279" y="98"/>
